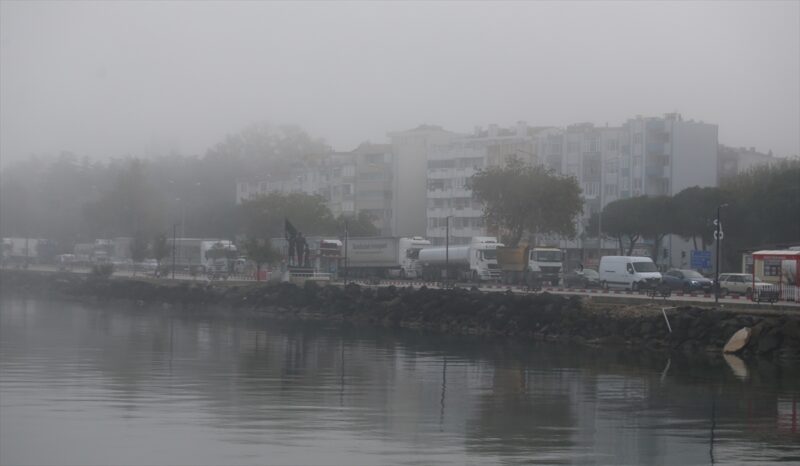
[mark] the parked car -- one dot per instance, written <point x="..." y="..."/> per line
<point x="631" y="272"/>
<point x="687" y="280"/>
<point x="740" y="283"/>
<point x="582" y="278"/>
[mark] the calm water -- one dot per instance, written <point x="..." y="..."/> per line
<point x="111" y="385"/>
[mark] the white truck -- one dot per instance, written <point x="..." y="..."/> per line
<point x="384" y="256"/>
<point x="547" y="262"/>
<point x="218" y="257"/>
<point x="524" y="265"/>
<point x="475" y="262"/>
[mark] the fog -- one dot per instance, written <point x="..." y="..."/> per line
<point x="106" y="79"/>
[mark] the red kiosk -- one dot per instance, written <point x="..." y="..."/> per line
<point x="777" y="256"/>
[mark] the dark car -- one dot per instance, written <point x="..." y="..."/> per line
<point x="585" y="278"/>
<point x="687" y="281"/>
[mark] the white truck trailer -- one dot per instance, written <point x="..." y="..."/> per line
<point x="476" y="261"/>
<point x="384" y="256"/>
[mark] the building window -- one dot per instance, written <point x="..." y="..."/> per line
<point x="772" y="268"/>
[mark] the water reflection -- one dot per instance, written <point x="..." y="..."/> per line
<point x="114" y="385"/>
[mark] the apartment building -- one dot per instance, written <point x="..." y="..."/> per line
<point x="736" y="160"/>
<point x="362" y="181"/>
<point x="450" y="165"/>
<point x="350" y="182"/>
<point x="410" y="154"/>
<point x="644" y="156"/>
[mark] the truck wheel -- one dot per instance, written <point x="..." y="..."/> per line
<point x="474" y="277"/>
<point x="402" y="274"/>
<point x="635" y="286"/>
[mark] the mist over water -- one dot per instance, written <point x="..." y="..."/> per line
<point x="113" y="384"/>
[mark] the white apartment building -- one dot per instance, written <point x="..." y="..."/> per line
<point x="350" y="182"/>
<point x="410" y="151"/>
<point x="644" y="156"/>
<point x="362" y="181"/>
<point x="451" y="164"/>
<point x="733" y="160"/>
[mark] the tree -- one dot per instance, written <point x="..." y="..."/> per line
<point x="264" y="216"/>
<point x="138" y="249"/>
<point x="160" y="248"/>
<point x="261" y="252"/>
<point x="657" y="221"/>
<point x="763" y="208"/>
<point x="132" y="204"/>
<point x="695" y="210"/>
<point x="621" y="220"/>
<point x="519" y="198"/>
<point x="361" y="225"/>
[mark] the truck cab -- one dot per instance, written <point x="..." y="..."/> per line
<point x="483" y="258"/>
<point x="546" y="263"/>
<point x="409" y="256"/>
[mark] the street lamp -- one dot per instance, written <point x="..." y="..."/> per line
<point x="446" y="250"/>
<point x="346" y="238"/>
<point x="718" y="235"/>
<point x="174" y="248"/>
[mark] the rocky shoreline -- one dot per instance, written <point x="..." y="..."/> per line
<point x="459" y="311"/>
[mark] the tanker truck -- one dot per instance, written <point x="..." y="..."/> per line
<point x="475" y="262"/>
<point x="525" y="265"/>
<point x="384" y="256"/>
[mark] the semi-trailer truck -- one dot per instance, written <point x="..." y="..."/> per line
<point x="384" y="256"/>
<point x="476" y="261"/>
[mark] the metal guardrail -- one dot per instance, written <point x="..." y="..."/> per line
<point x="321" y="276"/>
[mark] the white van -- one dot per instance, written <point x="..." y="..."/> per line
<point x="630" y="272"/>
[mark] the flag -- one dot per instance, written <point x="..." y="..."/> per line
<point x="289" y="229"/>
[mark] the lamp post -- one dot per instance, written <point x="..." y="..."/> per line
<point x="174" y="247"/>
<point x="346" y="234"/>
<point x="446" y="250"/>
<point x="718" y="235"/>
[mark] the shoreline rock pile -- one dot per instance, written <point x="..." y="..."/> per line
<point x="540" y="316"/>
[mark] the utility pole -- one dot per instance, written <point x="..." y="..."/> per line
<point x="174" y="249"/>
<point x="446" y="251"/>
<point x="718" y="234"/>
<point x="346" y="235"/>
<point x="599" y="234"/>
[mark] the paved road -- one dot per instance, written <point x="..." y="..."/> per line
<point x="674" y="298"/>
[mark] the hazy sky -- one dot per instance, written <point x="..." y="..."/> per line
<point x="112" y="78"/>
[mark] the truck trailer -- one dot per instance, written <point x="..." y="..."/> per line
<point x="384" y="256"/>
<point x="475" y="262"/>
